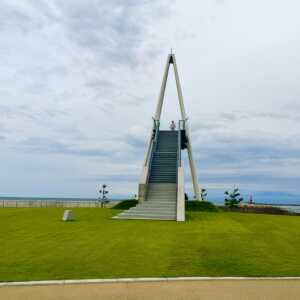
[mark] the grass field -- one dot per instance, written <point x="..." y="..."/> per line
<point x="35" y="244"/>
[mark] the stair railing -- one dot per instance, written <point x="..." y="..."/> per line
<point x="153" y="141"/>
<point x="144" y="178"/>
<point x="156" y="124"/>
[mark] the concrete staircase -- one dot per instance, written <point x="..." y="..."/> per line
<point x="161" y="201"/>
<point x="160" y="204"/>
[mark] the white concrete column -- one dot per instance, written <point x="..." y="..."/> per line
<point x="193" y="170"/>
<point x="162" y="90"/>
<point x="180" y="212"/>
<point x="179" y="91"/>
<point x="189" y="146"/>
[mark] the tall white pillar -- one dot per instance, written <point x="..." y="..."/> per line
<point x="189" y="145"/>
<point x="162" y="90"/>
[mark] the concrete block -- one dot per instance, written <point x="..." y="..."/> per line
<point x="68" y="215"/>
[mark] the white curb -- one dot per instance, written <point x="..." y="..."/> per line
<point x="132" y="280"/>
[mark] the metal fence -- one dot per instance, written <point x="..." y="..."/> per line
<point x="51" y="203"/>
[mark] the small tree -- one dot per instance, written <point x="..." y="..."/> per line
<point x="103" y="198"/>
<point x="203" y="194"/>
<point x="233" y="198"/>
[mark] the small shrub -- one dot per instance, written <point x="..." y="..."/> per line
<point x="200" y="206"/>
<point x="126" y="204"/>
<point x="203" y="194"/>
<point x="233" y="199"/>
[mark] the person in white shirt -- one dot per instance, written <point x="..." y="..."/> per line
<point x="172" y="125"/>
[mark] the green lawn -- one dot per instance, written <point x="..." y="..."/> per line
<point x="36" y="245"/>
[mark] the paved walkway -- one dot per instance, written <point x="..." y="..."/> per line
<point x="175" y="290"/>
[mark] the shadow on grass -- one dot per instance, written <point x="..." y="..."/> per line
<point x="126" y="204"/>
<point x="200" y="206"/>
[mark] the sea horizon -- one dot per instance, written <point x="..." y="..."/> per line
<point x="279" y="202"/>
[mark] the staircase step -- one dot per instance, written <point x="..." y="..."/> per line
<point x="162" y="181"/>
<point x="151" y="198"/>
<point x="163" y="186"/>
<point x="158" y="204"/>
<point x="161" y="218"/>
<point x="149" y="214"/>
<point x="167" y="200"/>
<point x="166" y="168"/>
<point x="154" y="211"/>
<point x="172" y="179"/>
<point x="169" y="160"/>
<point x="165" y="171"/>
<point x="162" y="193"/>
<point x="160" y="162"/>
<point x="164" y="164"/>
<point x="153" y="207"/>
<point x="162" y="199"/>
<point x="164" y="176"/>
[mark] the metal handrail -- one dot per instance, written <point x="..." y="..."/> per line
<point x="153" y="145"/>
<point x="153" y="139"/>
<point x="156" y="124"/>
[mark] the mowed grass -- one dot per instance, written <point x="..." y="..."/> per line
<point x="35" y="245"/>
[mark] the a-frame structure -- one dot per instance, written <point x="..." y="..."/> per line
<point x="172" y="61"/>
<point x="161" y="185"/>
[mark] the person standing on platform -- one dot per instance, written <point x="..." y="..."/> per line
<point x="172" y="125"/>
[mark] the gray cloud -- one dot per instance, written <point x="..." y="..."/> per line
<point x="109" y="31"/>
<point x="48" y="146"/>
<point x="136" y="142"/>
<point x="212" y="122"/>
<point x="111" y="178"/>
<point x="26" y="111"/>
<point x="14" y="17"/>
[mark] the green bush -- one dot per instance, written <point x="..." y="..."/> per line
<point x="126" y="204"/>
<point x="233" y="198"/>
<point x="200" y="206"/>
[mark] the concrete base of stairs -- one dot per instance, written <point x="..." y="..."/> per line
<point x="160" y="204"/>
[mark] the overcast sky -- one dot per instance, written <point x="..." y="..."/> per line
<point x="79" y="81"/>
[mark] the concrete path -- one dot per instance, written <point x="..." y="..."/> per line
<point x="263" y="289"/>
